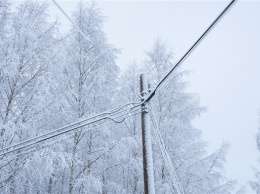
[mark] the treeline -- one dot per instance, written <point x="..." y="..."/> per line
<point x="48" y="81"/>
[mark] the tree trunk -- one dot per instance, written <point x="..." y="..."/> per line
<point x="72" y="167"/>
<point x="50" y="184"/>
<point x="104" y="184"/>
<point x="90" y="150"/>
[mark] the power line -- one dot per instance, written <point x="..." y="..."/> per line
<point x="227" y="8"/>
<point x="80" y="31"/>
<point x="115" y="111"/>
<point x="66" y="15"/>
<point x="191" y="49"/>
<point x="58" y="140"/>
<point x="69" y="128"/>
<point x="85" y="36"/>
<point x="109" y="115"/>
<point x="124" y="80"/>
<point x="71" y="125"/>
<point x="34" y="149"/>
<point x="63" y="132"/>
<point x="75" y="123"/>
<point x="166" y="157"/>
<point x="43" y="137"/>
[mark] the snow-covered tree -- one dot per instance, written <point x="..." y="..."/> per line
<point x="129" y="174"/>
<point x="46" y="83"/>
<point x="5" y="7"/>
<point x="89" y="82"/>
<point x="26" y="53"/>
<point x="174" y="110"/>
<point x="256" y="183"/>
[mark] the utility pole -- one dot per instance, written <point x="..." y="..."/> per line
<point x="146" y="140"/>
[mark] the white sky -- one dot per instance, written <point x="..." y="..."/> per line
<point x="225" y="66"/>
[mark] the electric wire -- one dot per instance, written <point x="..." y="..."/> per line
<point x="28" y="145"/>
<point x="64" y="129"/>
<point x="126" y="83"/>
<point x="79" y="30"/>
<point x="165" y="154"/>
<point x="179" y="62"/>
<point x="66" y="15"/>
<point x="72" y="126"/>
<point x="227" y="8"/>
<point x="166" y="157"/>
<point x="34" y="149"/>
<point x="58" y="134"/>
<point x="110" y="112"/>
<point x="85" y="36"/>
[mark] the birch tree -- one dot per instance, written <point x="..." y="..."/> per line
<point x="129" y="173"/>
<point x="5" y="7"/>
<point x="89" y="84"/>
<point x="255" y="184"/>
<point x="26" y="53"/>
<point x="46" y="83"/>
<point x="174" y="110"/>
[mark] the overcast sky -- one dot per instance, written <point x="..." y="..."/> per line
<point x="225" y="66"/>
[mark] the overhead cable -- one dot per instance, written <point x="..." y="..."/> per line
<point x="191" y="49"/>
<point x="227" y="8"/>
<point x="166" y="157"/>
<point x="78" y="124"/>
<point x="85" y="36"/>
<point x="8" y="159"/>
<point x="66" y="15"/>
<point x="68" y="128"/>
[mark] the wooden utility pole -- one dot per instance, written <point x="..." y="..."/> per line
<point x="146" y="140"/>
